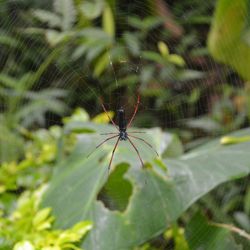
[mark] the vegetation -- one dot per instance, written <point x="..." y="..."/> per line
<point x="58" y="58"/>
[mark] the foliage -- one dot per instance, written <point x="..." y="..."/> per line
<point x="229" y="36"/>
<point x="34" y="169"/>
<point x="23" y="103"/>
<point x="171" y="184"/>
<point x="163" y="180"/>
<point x="58" y="55"/>
<point x="106" y="56"/>
<point x="210" y="236"/>
<point x="29" y="227"/>
<point x="62" y="41"/>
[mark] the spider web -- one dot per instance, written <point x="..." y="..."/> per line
<point x="172" y="91"/>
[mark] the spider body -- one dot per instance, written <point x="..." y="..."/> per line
<point x="122" y="134"/>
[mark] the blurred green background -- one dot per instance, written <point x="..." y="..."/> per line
<point x="189" y="62"/>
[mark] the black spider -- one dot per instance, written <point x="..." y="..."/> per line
<point x="122" y="134"/>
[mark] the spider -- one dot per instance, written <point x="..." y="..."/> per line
<point x="122" y="134"/>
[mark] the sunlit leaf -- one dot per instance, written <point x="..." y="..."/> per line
<point x="176" y="59"/>
<point x="103" y="118"/>
<point x="163" y="48"/>
<point x="158" y="196"/>
<point x="24" y="245"/>
<point x="78" y="115"/>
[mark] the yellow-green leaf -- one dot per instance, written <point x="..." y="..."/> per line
<point x="226" y="140"/>
<point x="227" y="40"/>
<point x="103" y="118"/>
<point x="79" y="115"/>
<point x="82" y="227"/>
<point x="75" y="233"/>
<point x="24" y="245"/>
<point x="163" y="48"/>
<point x="41" y="216"/>
<point x="176" y="59"/>
<point x="101" y="64"/>
<point x="108" y="21"/>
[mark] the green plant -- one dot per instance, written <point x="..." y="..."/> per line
<point x="24" y="103"/>
<point x="40" y="150"/>
<point x="29" y="227"/>
<point x="93" y="48"/>
<point x="228" y="40"/>
<point x="163" y="184"/>
<point x="107" y="56"/>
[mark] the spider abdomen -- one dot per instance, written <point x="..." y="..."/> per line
<point x="122" y="120"/>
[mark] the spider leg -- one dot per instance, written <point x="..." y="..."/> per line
<point x="138" y="138"/>
<point x="109" y="133"/>
<point x="106" y="112"/>
<point x="135" y="111"/>
<point x="111" y="159"/>
<point x="102" y="143"/>
<point x="136" y="151"/>
<point x="137" y="132"/>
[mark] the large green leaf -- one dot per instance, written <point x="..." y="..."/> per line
<point x="158" y="197"/>
<point x="202" y="235"/>
<point x="228" y="40"/>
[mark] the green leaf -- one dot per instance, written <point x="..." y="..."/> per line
<point x="202" y="235"/>
<point x="67" y="11"/>
<point x="228" y="40"/>
<point x="153" y="56"/>
<point x="189" y="74"/>
<point x="132" y="43"/>
<point x="103" y="118"/>
<point x="242" y="220"/>
<point x="40" y="218"/>
<point x="147" y="23"/>
<point x="81" y="228"/>
<point x="174" y="148"/>
<point x="96" y="34"/>
<point x="79" y="52"/>
<point x="11" y="144"/>
<point x="28" y="228"/>
<point x="247" y="202"/>
<point x="92" y="9"/>
<point x="176" y="59"/>
<point x="159" y="196"/>
<point x="9" y="41"/>
<point x="78" y="115"/>
<point x="24" y="245"/>
<point x="108" y="22"/>
<point x="118" y="189"/>
<point x="163" y="48"/>
<point x="101" y="64"/>
<point x="52" y="19"/>
<point x="96" y="51"/>
<point x="177" y="233"/>
<point x="55" y="37"/>
<point x="7" y="80"/>
<point x="234" y="140"/>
